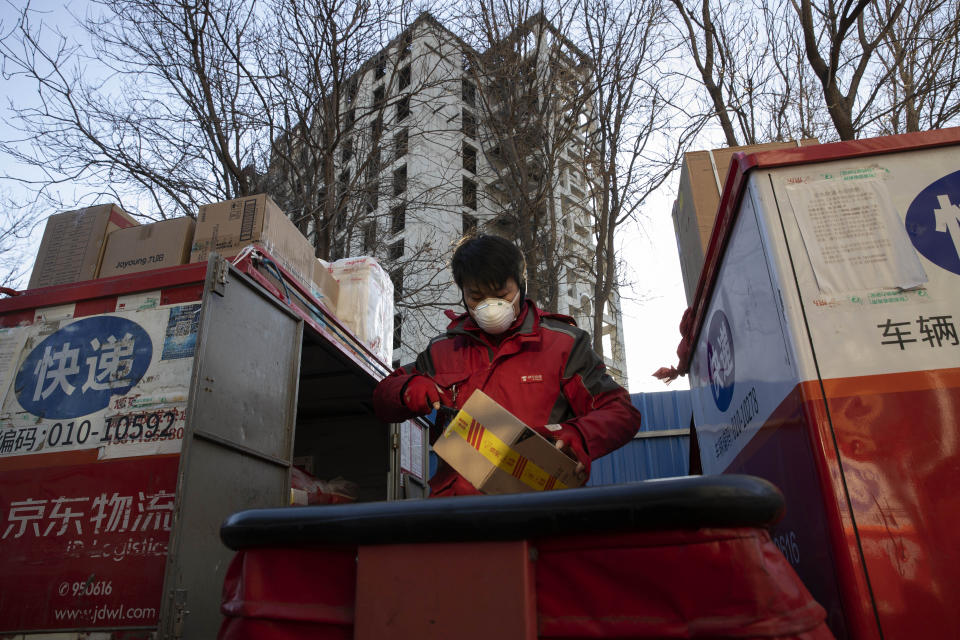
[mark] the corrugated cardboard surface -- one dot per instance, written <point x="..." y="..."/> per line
<point x="528" y="452"/>
<point x="701" y="183"/>
<point x="150" y="246"/>
<point x="325" y="287"/>
<point x="227" y="227"/>
<point x="73" y="244"/>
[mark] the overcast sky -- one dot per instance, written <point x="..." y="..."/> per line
<point x="651" y="315"/>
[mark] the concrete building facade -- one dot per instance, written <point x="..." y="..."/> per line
<point x="418" y="107"/>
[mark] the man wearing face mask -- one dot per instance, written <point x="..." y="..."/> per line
<point x="537" y="365"/>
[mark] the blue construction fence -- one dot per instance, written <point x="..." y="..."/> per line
<point x="662" y="447"/>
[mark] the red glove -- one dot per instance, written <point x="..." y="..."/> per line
<point x="572" y="445"/>
<point x="421" y="395"/>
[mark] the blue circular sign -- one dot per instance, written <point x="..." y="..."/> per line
<point x="720" y="363"/>
<point x="75" y="371"/>
<point x="933" y="222"/>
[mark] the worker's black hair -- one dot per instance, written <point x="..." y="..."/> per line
<point x="488" y="261"/>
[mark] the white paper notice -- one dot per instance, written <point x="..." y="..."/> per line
<point x="416" y="452"/>
<point x="53" y="314"/>
<point x="411" y="449"/>
<point x="11" y="344"/>
<point x="854" y="237"/>
<point x="139" y="301"/>
<point x="405" y="446"/>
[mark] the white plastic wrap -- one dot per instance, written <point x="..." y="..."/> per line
<point x="365" y="304"/>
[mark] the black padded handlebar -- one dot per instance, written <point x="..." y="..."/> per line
<point x="675" y="503"/>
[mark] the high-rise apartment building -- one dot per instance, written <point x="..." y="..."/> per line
<point x="423" y="151"/>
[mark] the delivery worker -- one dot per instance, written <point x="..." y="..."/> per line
<point x="537" y="365"/>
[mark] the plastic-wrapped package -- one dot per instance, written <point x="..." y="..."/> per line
<point x="365" y="304"/>
<point x="307" y="489"/>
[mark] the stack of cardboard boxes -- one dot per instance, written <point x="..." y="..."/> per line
<point x="74" y="242"/>
<point x="104" y="241"/>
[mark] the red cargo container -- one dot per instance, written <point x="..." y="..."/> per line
<point x="826" y="359"/>
<point x="140" y="411"/>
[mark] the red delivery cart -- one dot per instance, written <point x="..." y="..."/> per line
<point x="676" y="558"/>
<point x="139" y="411"/>
<point x="825" y="358"/>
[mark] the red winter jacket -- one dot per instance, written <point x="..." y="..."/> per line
<point x="544" y="371"/>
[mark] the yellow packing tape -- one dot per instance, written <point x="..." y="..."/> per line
<point x="500" y="454"/>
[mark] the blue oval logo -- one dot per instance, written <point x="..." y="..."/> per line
<point x="933" y="222"/>
<point x="76" y="370"/>
<point x="720" y="365"/>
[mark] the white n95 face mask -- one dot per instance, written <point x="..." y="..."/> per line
<point x="495" y="315"/>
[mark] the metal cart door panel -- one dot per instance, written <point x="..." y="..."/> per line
<point x="238" y="441"/>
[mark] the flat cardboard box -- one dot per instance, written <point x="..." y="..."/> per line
<point x="149" y="246"/>
<point x="702" y="178"/>
<point x="325" y="287"/>
<point x="227" y="227"/>
<point x="73" y="244"/>
<point x="297" y="299"/>
<point x="497" y="453"/>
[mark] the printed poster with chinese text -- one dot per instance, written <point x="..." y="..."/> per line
<point x="90" y="432"/>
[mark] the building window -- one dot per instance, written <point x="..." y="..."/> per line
<point x="403" y="108"/>
<point x="469" y="193"/>
<point x="396" y="251"/>
<point x="381" y="68"/>
<point x="403" y="81"/>
<point x="401" y="142"/>
<point x="337" y="247"/>
<point x="373" y="164"/>
<point x="396" y="277"/>
<point x="469" y="92"/>
<point x="369" y="237"/>
<point x="469" y="158"/>
<point x="400" y="180"/>
<point x="398" y="218"/>
<point x="406" y="44"/>
<point x="350" y="118"/>
<point x="352" y="87"/>
<point x="469" y="223"/>
<point x="347" y="152"/>
<point x="469" y="124"/>
<point x="607" y="342"/>
<point x="397" y="328"/>
<point x="379" y="95"/>
<point x="377" y="128"/>
<point x="343" y="181"/>
<point x="373" y="196"/>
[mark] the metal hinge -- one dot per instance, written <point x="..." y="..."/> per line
<point x="220" y="271"/>
<point x="396" y="441"/>
<point x="180" y="612"/>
